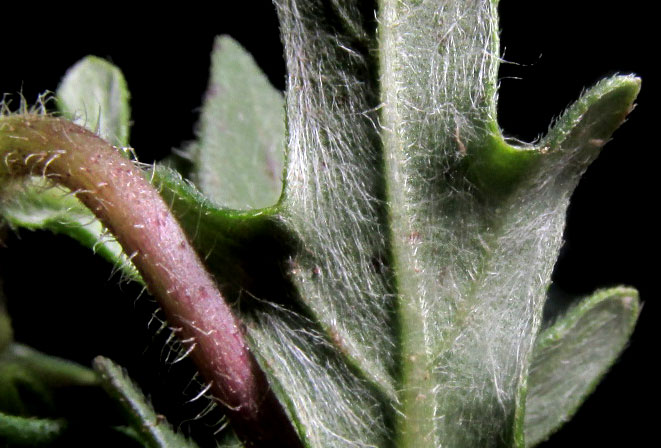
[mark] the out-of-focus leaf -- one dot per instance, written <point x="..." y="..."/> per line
<point x="238" y="158"/>
<point x="34" y="204"/>
<point x="23" y="431"/>
<point x="6" y="333"/>
<point x="28" y="379"/>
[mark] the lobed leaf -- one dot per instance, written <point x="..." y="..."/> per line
<point x="394" y="294"/>
<point x="310" y="377"/>
<point x="476" y="224"/>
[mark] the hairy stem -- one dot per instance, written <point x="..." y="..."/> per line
<point x="126" y="203"/>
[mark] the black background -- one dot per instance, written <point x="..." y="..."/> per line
<point x="59" y="293"/>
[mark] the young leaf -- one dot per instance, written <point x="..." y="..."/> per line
<point x="153" y="429"/>
<point x="572" y="355"/>
<point x="239" y="154"/>
<point x="93" y="94"/>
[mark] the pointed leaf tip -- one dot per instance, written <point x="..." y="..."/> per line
<point x="151" y="427"/>
<point x="572" y="355"/>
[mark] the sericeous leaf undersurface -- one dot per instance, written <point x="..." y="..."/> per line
<point x="393" y="291"/>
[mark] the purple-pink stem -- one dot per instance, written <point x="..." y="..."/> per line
<point x="129" y="206"/>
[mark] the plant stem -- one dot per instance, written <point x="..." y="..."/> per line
<point x="127" y="204"/>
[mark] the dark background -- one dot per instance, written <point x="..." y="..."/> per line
<point x="59" y="293"/>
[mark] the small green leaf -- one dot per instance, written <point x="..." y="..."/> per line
<point x="93" y="93"/>
<point x="152" y="427"/>
<point x="36" y="205"/>
<point x="28" y="379"/>
<point x="239" y="155"/>
<point x="572" y="355"/>
<point x="22" y="431"/>
<point x="51" y="370"/>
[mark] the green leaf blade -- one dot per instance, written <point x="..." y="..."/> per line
<point x="37" y="205"/>
<point x="93" y="93"/>
<point x="239" y="155"/>
<point x="51" y="370"/>
<point x="153" y="428"/>
<point x="303" y="366"/>
<point x="23" y="431"/>
<point x="476" y="223"/>
<point x="572" y="355"/>
<point x="334" y="182"/>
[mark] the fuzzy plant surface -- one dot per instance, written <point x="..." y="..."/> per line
<point x="362" y="262"/>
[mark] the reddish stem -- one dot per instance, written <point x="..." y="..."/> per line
<point x="127" y="204"/>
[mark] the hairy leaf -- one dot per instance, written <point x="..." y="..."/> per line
<point x="572" y="355"/>
<point x="418" y="254"/>
<point x="23" y="431"/>
<point x="238" y="157"/>
<point x="153" y="428"/>
<point x="394" y="294"/>
<point x="310" y="376"/>
<point x="93" y="94"/>
<point x="476" y="224"/>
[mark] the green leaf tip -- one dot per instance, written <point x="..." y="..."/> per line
<point x="24" y="431"/>
<point x="239" y="155"/>
<point x="572" y="355"/>
<point x="152" y="428"/>
<point x="572" y="142"/>
<point x="595" y="116"/>
<point x="52" y="371"/>
<point x="93" y="93"/>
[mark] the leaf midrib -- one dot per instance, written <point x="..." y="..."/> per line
<point x="417" y="404"/>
